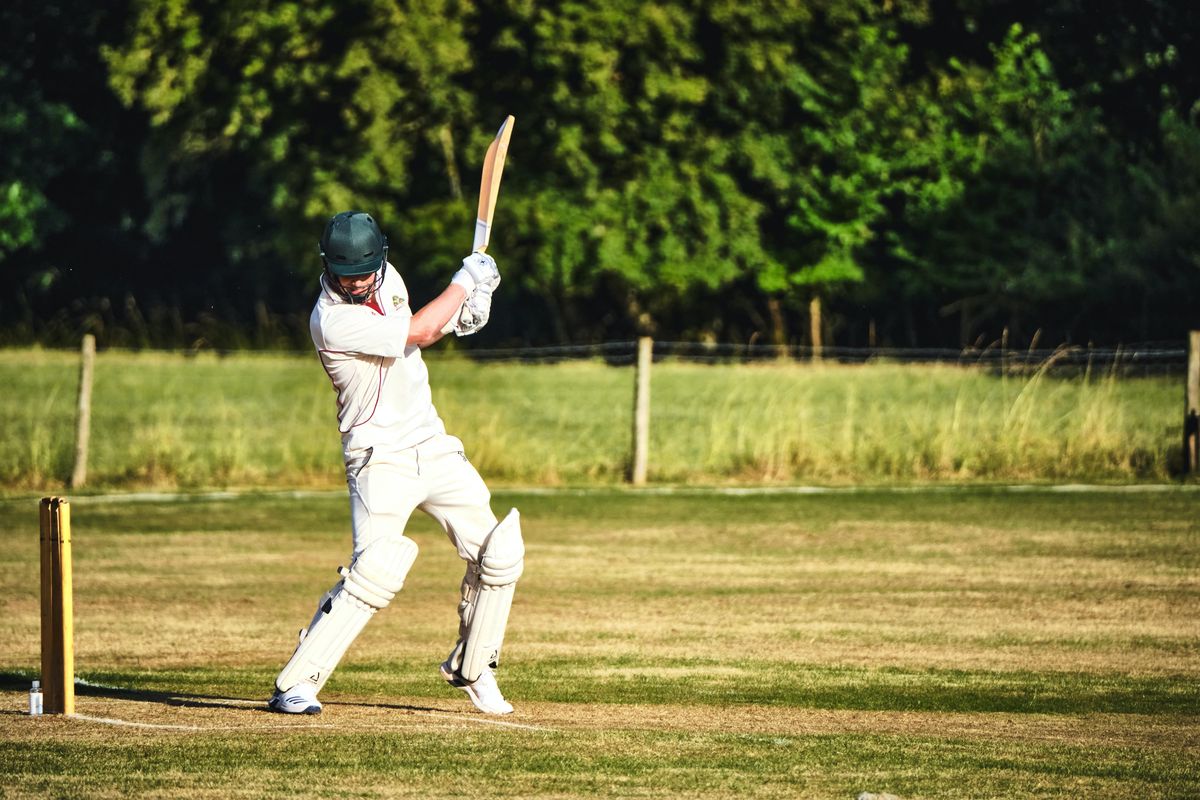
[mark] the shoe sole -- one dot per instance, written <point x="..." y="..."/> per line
<point x="310" y="711"/>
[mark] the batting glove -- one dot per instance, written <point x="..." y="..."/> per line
<point x="478" y="269"/>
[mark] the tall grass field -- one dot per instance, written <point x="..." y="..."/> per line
<point x="943" y="642"/>
<point x="267" y="420"/>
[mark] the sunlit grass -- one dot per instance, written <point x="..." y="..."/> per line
<point x="167" y="420"/>
<point x="969" y="642"/>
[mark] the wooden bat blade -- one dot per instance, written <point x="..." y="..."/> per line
<point x="489" y="184"/>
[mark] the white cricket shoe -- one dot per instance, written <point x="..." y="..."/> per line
<point x="300" y="699"/>
<point x="484" y="692"/>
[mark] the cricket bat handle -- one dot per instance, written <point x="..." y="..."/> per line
<point x="482" y="235"/>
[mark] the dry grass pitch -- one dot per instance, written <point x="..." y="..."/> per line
<point x="977" y="643"/>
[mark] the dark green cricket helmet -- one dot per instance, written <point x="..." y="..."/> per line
<point x="353" y="244"/>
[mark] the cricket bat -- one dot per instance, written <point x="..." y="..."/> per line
<point x="489" y="185"/>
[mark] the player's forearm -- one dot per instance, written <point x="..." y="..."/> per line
<point x="427" y="324"/>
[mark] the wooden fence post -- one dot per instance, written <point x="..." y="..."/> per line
<point x="83" y="424"/>
<point x="641" y="411"/>
<point x="1191" y="417"/>
<point x="814" y="327"/>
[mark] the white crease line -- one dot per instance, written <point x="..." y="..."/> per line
<point x="126" y="723"/>
<point x="443" y="717"/>
<point x="234" y="701"/>
<point x="485" y="721"/>
<point x="167" y="727"/>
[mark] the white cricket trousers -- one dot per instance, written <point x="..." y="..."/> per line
<point x="436" y="477"/>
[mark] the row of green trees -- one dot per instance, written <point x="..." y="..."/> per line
<point x="931" y="171"/>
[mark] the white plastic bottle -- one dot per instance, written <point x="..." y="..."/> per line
<point x="35" y="699"/>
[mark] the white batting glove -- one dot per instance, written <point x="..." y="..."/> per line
<point x="475" y="311"/>
<point x="478" y="269"/>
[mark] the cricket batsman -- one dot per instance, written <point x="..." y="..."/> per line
<point x="399" y="457"/>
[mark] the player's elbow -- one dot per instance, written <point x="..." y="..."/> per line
<point x="422" y="334"/>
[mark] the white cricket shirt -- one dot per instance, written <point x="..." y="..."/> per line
<point x="382" y="384"/>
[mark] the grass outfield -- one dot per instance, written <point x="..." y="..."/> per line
<point x="962" y="643"/>
<point x="267" y="420"/>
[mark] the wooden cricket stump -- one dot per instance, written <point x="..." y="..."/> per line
<point x="58" y="646"/>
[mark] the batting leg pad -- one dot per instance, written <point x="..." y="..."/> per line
<point x="370" y="583"/>
<point x="489" y="595"/>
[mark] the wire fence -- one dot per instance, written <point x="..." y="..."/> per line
<point x="1113" y="415"/>
<point x="1143" y="359"/>
<point x="1127" y="361"/>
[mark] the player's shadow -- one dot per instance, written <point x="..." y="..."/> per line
<point x="13" y="681"/>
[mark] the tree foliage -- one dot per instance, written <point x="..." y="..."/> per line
<point x="688" y="169"/>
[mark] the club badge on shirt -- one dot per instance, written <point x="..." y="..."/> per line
<point x="397" y="301"/>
